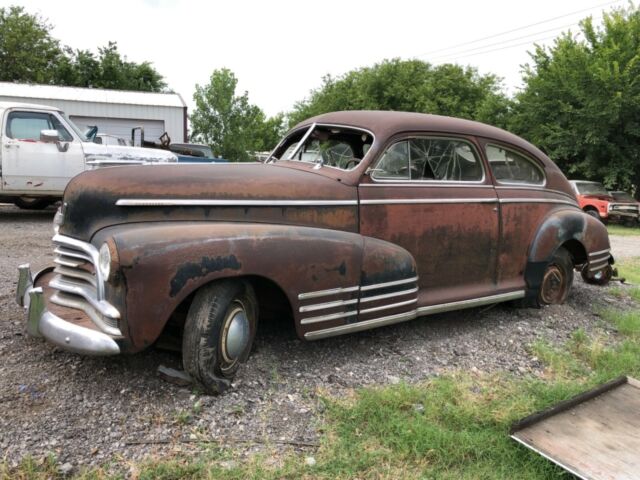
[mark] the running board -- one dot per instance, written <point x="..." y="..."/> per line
<point x="412" y="314"/>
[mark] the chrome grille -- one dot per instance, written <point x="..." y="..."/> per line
<point x="78" y="284"/>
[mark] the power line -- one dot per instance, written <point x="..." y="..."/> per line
<point x="505" y="48"/>
<point x="518" y="29"/>
<point x="455" y="54"/>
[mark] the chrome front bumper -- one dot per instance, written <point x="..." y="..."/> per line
<point x="66" y="335"/>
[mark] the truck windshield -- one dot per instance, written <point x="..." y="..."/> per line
<point x="74" y="127"/>
<point x="325" y="145"/>
<point x="591" y="189"/>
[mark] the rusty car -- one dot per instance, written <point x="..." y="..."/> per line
<point x="356" y="220"/>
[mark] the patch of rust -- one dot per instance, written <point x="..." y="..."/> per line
<point x="191" y="270"/>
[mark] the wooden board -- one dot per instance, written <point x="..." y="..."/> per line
<point x="594" y="436"/>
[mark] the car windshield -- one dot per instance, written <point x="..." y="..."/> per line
<point x="326" y="145"/>
<point x="74" y="127"/>
<point x="622" y="197"/>
<point x="591" y="189"/>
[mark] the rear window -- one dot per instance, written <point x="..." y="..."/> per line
<point x="511" y="167"/>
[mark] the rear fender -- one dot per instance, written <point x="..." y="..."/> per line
<point x="162" y="264"/>
<point x="559" y="227"/>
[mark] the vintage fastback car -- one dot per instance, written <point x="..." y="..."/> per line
<point x="356" y="220"/>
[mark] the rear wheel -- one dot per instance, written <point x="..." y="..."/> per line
<point x="218" y="333"/>
<point x="30" y="203"/>
<point x="557" y="279"/>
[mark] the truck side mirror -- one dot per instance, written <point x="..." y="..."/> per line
<point x="49" y="136"/>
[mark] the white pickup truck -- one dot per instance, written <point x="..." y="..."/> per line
<point x="42" y="150"/>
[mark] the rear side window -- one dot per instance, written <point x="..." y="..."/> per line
<point x="511" y="167"/>
<point x="434" y="159"/>
<point x="28" y="125"/>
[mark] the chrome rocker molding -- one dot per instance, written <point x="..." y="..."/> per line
<point x="66" y="335"/>
<point x="410" y="315"/>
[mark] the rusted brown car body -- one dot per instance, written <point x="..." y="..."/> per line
<point x="340" y="250"/>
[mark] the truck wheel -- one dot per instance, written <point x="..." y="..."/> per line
<point x="593" y="213"/>
<point x="557" y="279"/>
<point x="218" y="333"/>
<point x="30" y="203"/>
<point x="603" y="277"/>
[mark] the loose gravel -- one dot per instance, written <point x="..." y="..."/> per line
<point x="88" y="411"/>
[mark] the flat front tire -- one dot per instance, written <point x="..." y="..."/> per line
<point x="557" y="279"/>
<point x="218" y="334"/>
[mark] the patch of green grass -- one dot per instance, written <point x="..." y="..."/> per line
<point x="615" y="229"/>
<point x="629" y="269"/>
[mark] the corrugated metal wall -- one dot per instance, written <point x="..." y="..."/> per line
<point x="173" y="117"/>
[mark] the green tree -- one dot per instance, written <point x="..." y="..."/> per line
<point x="108" y="69"/>
<point x="28" y="53"/>
<point x="581" y="101"/>
<point x="229" y="123"/>
<point x="409" y="85"/>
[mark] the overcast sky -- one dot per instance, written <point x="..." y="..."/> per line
<point x="279" y="50"/>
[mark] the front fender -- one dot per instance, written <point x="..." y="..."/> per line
<point x="558" y="228"/>
<point x="162" y="264"/>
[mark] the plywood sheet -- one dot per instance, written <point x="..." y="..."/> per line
<point x="594" y="436"/>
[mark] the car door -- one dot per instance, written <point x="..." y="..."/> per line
<point x="31" y="165"/>
<point x="430" y="194"/>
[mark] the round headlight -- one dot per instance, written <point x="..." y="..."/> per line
<point x="104" y="261"/>
<point x="58" y="219"/>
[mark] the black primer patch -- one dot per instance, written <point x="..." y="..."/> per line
<point x="192" y="270"/>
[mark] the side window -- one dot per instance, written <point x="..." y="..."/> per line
<point x="28" y="125"/>
<point x="438" y="159"/>
<point x="63" y="134"/>
<point x="394" y="164"/>
<point x="511" y="167"/>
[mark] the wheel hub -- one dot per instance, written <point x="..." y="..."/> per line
<point x="553" y="285"/>
<point x="236" y="335"/>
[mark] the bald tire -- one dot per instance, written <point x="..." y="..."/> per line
<point x="202" y="355"/>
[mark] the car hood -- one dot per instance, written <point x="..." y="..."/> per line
<point x="206" y="192"/>
<point x="109" y="155"/>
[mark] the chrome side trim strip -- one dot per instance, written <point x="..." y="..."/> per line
<point x="536" y="189"/>
<point x="598" y="265"/>
<point x="474" y="302"/>
<point x="418" y="183"/>
<point x="595" y="254"/>
<point x="388" y="295"/>
<point x="376" y="286"/>
<point x="538" y="200"/>
<point x="388" y="306"/>
<point x="401" y="317"/>
<point x="180" y="202"/>
<point x="359" y="326"/>
<point x="324" y="306"/>
<point x="326" y="318"/>
<point x="331" y="291"/>
<point x="408" y="201"/>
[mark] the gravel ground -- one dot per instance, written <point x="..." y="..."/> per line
<point x="92" y="410"/>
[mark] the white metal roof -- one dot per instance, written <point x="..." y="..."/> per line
<point x="96" y="95"/>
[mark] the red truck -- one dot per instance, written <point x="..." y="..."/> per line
<point x="596" y="201"/>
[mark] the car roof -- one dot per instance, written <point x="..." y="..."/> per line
<point x="384" y="124"/>
<point x="34" y="106"/>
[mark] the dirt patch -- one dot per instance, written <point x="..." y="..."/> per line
<point x="91" y="410"/>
